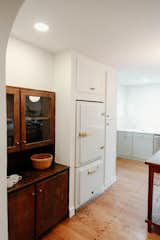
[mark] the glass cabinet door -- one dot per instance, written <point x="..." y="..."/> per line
<point x="37" y="118"/>
<point x="13" y="121"/>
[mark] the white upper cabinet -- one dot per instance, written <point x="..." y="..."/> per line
<point x="89" y="132"/>
<point x="90" y="77"/>
<point x="111" y="94"/>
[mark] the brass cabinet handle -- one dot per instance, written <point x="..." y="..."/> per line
<point x="83" y="134"/>
<point x="91" y="172"/>
<point x="17" y="143"/>
<point x="33" y="194"/>
<point x="24" y="141"/>
<point x="40" y="190"/>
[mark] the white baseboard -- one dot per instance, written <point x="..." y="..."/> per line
<point x="110" y="182"/>
<point x="71" y="212"/>
<point x="132" y="158"/>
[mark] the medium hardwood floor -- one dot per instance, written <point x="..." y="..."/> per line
<point x="118" y="214"/>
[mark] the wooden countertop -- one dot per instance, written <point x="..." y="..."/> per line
<point x="33" y="176"/>
<point x="154" y="160"/>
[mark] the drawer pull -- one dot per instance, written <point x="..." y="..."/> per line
<point x="82" y="134"/>
<point x="33" y="194"/>
<point x="92" y="88"/>
<point x="40" y="190"/>
<point x="91" y="172"/>
<point x="102" y="147"/>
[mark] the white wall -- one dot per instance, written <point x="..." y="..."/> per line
<point x="141" y="111"/>
<point x="121" y="107"/>
<point x="28" y="66"/>
<point x="8" y="11"/>
<point x="65" y="123"/>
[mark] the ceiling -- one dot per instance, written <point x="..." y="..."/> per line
<point x="116" y="32"/>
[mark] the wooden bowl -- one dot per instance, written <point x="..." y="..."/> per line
<point x="41" y="161"/>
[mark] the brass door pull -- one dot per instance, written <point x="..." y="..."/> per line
<point x="83" y="134"/>
<point x="91" y="172"/>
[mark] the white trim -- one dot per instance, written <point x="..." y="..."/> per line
<point x="110" y="182"/>
<point x="71" y="212"/>
<point x="131" y="157"/>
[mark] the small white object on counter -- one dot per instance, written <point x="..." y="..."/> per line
<point x="13" y="179"/>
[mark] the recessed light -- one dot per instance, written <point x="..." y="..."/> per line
<point x="41" y="27"/>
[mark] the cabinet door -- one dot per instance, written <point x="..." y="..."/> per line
<point x="110" y="152"/>
<point x="90" y="76"/>
<point x="13" y="119"/>
<point x="142" y="145"/>
<point x="52" y="202"/>
<point x="37" y="118"/>
<point x="89" y="182"/>
<point x="90" y="132"/>
<point x="21" y="214"/>
<point x="124" y="143"/>
<point x="111" y="94"/>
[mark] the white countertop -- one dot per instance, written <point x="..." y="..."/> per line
<point x="139" y="131"/>
<point x="155" y="159"/>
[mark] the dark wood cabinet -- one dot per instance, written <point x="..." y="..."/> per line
<point x="21" y="210"/>
<point x="34" y="209"/>
<point x="30" y="118"/>
<point x="37" y="118"/>
<point x="52" y="202"/>
<point x="13" y="119"/>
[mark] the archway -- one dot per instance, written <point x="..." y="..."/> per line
<point x="8" y="12"/>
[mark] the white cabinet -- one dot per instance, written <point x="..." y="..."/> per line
<point x="134" y="145"/>
<point x="78" y="78"/>
<point x="111" y="94"/>
<point x="124" y="143"/>
<point x="90" y="76"/>
<point x="110" y="153"/>
<point x="89" y="182"/>
<point x="142" y="145"/>
<point x="90" y="131"/>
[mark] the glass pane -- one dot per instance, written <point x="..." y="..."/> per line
<point x="156" y="199"/>
<point x="37" y="119"/>
<point x="10" y="120"/>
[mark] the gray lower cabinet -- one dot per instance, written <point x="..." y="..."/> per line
<point x="134" y="145"/>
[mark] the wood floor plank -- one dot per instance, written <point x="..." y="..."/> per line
<point x="118" y="214"/>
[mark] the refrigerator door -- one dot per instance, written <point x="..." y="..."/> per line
<point x="90" y="132"/>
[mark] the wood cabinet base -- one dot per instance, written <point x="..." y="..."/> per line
<point x="35" y="209"/>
